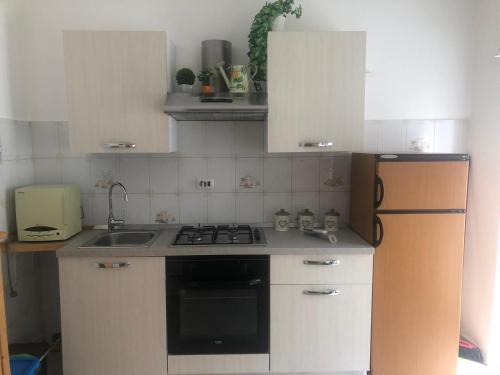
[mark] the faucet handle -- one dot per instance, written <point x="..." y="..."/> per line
<point x="117" y="221"/>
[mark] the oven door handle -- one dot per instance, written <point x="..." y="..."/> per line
<point x="210" y="284"/>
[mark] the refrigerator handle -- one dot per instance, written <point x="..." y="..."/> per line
<point x="380" y="227"/>
<point x="379" y="191"/>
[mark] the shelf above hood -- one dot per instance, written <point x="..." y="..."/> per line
<point x="185" y="107"/>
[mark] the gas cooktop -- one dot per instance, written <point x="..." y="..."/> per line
<point x="207" y="235"/>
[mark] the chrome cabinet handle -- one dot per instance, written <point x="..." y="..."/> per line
<point x="119" y="145"/>
<point x="330" y="262"/>
<point x="116" y="265"/>
<point x="329" y="292"/>
<point x="316" y="144"/>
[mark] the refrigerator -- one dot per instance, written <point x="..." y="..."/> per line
<point x="412" y="208"/>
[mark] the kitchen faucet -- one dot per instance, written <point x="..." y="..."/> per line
<point x="112" y="221"/>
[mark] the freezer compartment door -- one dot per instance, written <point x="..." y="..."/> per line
<point x="416" y="294"/>
<point x="427" y="185"/>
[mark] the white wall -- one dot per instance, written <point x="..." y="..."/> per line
<point x="483" y="221"/>
<point x="417" y="50"/>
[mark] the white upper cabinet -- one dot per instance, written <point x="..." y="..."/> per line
<point x="316" y="91"/>
<point x="116" y="86"/>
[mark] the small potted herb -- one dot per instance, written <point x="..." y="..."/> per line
<point x="205" y="77"/>
<point x="270" y="17"/>
<point x="185" y="79"/>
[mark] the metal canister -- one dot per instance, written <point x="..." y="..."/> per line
<point x="214" y="52"/>
<point x="281" y="220"/>
<point x="306" y="220"/>
<point x="332" y="221"/>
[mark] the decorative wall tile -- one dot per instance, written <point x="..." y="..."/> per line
<point x="227" y="152"/>
<point x="336" y="200"/>
<point x="101" y="207"/>
<point x="103" y="171"/>
<point x="163" y="175"/>
<point x="137" y="210"/>
<point x="335" y="173"/>
<point x="222" y="170"/>
<point x="273" y="202"/>
<point x="249" y="208"/>
<point x="391" y="136"/>
<point x="420" y="136"/>
<point x="87" y="201"/>
<point x="77" y="171"/>
<point x="249" y="172"/>
<point x="301" y="201"/>
<point x="134" y="174"/>
<point x="219" y="140"/>
<point x="221" y="208"/>
<point x="192" y="208"/>
<point x="190" y="170"/>
<point x="165" y="209"/>
<point x="277" y="175"/>
<point x="192" y="138"/>
<point x="45" y="139"/>
<point x="305" y="174"/>
<point x="48" y="171"/>
<point x="249" y="138"/>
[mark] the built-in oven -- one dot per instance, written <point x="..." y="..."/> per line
<point x="218" y="304"/>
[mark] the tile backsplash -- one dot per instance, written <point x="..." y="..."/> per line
<point x="250" y="184"/>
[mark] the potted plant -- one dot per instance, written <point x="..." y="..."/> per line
<point x="204" y="77"/>
<point x="185" y="79"/>
<point x="271" y="14"/>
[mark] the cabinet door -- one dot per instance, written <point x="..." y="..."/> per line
<point x="416" y="295"/>
<point x="116" y="86"/>
<point x="316" y="86"/>
<point x="320" y="332"/>
<point x="423" y="185"/>
<point x="113" y="319"/>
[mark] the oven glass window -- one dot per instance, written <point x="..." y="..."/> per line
<point x="218" y="313"/>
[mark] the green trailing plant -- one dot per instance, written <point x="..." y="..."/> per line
<point x="257" y="39"/>
<point x="204" y="76"/>
<point x="185" y="76"/>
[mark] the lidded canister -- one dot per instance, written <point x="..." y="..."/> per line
<point x="306" y="220"/>
<point x="281" y="220"/>
<point x="332" y="221"/>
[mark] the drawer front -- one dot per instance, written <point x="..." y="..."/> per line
<point x="318" y="328"/>
<point x="321" y="269"/>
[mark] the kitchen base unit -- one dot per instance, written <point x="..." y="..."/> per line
<point x="317" y="326"/>
<point x="297" y="304"/>
<point x="113" y="316"/>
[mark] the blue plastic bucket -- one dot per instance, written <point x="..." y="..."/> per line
<point x="24" y="364"/>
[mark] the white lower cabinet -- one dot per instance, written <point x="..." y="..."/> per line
<point x="113" y="316"/>
<point x="320" y="327"/>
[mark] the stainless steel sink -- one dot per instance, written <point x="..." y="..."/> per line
<point x="124" y="238"/>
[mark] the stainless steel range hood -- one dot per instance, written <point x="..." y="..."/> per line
<point x="183" y="107"/>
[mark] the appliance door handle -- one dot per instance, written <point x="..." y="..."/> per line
<point x="121" y="145"/>
<point x="329" y="262"/>
<point x="223" y="284"/>
<point x="328" y="292"/>
<point x="320" y="144"/>
<point x="379" y="191"/>
<point x="380" y="226"/>
<point x="112" y="265"/>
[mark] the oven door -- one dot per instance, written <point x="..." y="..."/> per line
<point x="219" y="312"/>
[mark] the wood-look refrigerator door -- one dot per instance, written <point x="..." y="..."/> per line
<point x="416" y="294"/>
<point x="422" y="185"/>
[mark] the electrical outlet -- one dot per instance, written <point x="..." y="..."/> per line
<point x="205" y="184"/>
